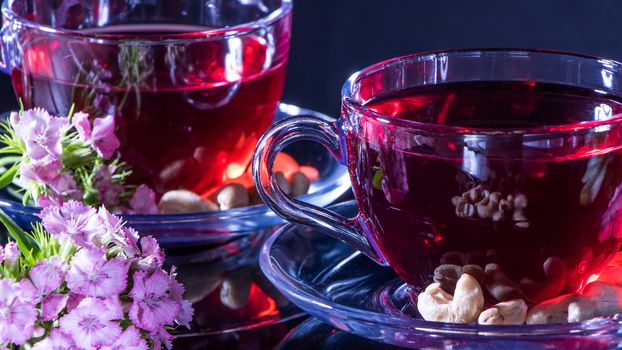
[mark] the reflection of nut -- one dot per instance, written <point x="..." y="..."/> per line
<point x="434" y="304"/>
<point x="500" y="286"/>
<point x="555" y="271"/>
<point x="507" y="312"/>
<point x="300" y="184"/>
<point x="182" y="201"/>
<point x="598" y="299"/>
<point x="232" y="196"/>
<point x="551" y="311"/>
<point x="234" y="291"/>
<point x="447" y="276"/>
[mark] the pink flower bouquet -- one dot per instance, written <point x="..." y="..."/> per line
<point x="82" y="280"/>
<point x="55" y="159"/>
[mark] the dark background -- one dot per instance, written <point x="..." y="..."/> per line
<point x="334" y="38"/>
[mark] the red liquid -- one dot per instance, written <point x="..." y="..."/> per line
<point x="409" y="206"/>
<point x="188" y="115"/>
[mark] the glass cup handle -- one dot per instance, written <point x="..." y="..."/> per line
<point x="304" y="128"/>
<point x="4" y="64"/>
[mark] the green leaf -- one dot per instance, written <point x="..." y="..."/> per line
<point x="7" y="177"/>
<point x="377" y="180"/>
<point x="26" y="244"/>
<point x="71" y="110"/>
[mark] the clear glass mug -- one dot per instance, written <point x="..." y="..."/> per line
<point x="192" y="84"/>
<point x="413" y="180"/>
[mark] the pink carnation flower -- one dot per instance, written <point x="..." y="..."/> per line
<point x="18" y="311"/>
<point x="151" y="257"/>
<point x="40" y="132"/>
<point x="65" y="186"/>
<point x="184" y="316"/>
<point x="42" y="170"/>
<point x="129" y="340"/>
<point x="57" y="340"/>
<point x="47" y="275"/>
<point x="74" y="221"/>
<point x="101" y="136"/>
<point x="115" y="232"/>
<point x="143" y="201"/>
<point x="52" y="305"/>
<point x="108" y="191"/>
<point x="11" y="253"/>
<point x="92" y="275"/>
<point x="93" y="323"/>
<point x="162" y="337"/>
<point x="152" y="306"/>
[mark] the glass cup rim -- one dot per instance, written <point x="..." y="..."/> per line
<point x="277" y="14"/>
<point x="350" y="102"/>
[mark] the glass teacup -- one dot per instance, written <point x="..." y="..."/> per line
<point x="506" y="159"/>
<point x="192" y="84"/>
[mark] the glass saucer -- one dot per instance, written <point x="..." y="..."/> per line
<point x="343" y="288"/>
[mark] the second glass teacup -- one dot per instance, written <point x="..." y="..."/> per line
<point x="506" y="159"/>
<point x="192" y="84"/>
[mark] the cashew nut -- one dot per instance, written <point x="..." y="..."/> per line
<point x="232" y="196"/>
<point x="475" y="271"/>
<point x="519" y="218"/>
<point x="447" y="276"/>
<point x="507" y="312"/>
<point x="555" y="271"/>
<point x="453" y="257"/>
<point x="182" y="201"/>
<point x="476" y="194"/>
<point x="520" y="201"/>
<point x="500" y="286"/>
<point x="551" y="311"/>
<point x="282" y="182"/>
<point x="465" y="210"/>
<point x="475" y="257"/>
<point x="597" y="300"/>
<point x="300" y="184"/>
<point x="506" y="205"/>
<point x="434" y="304"/>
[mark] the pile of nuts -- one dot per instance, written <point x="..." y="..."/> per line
<point x="479" y="202"/>
<point x="229" y="196"/>
<point x="457" y="295"/>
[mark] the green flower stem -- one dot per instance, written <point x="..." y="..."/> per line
<point x="25" y="243"/>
